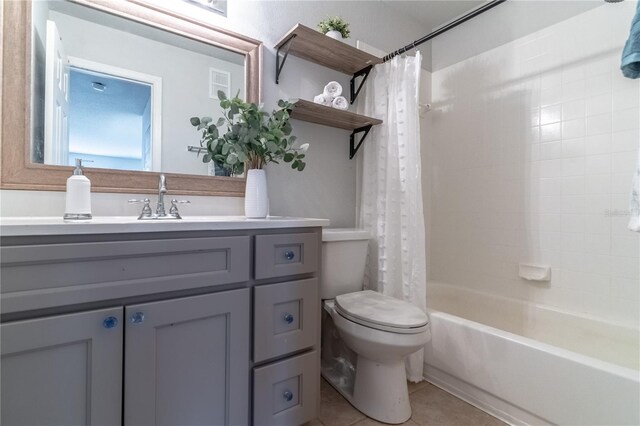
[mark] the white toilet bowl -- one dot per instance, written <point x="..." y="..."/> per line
<point x="380" y="389"/>
<point x="381" y="330"/>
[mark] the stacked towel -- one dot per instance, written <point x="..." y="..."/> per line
<point x="631" y="54"/>
<point x="340" y="102"/>
<point x="331" y="96"/>
<point x="322" y="99"/>
<point x="333" y="89"/>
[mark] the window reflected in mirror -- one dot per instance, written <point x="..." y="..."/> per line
<point x="120" y="93"/>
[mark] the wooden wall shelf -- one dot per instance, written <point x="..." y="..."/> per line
<point x="313" y="46"/>
<point x="332" y="117"/>
<point x="316" y="47"/>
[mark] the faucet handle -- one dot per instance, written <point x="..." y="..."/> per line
<point x="146" y="208"/>
<point x="173" y="211"/>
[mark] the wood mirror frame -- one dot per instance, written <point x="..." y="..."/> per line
<point x="17" y="170"/>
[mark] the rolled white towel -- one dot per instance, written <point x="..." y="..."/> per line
<point x="340" y="102"/>
<point x="333" y="89"/>
<point x="322" y="99"/>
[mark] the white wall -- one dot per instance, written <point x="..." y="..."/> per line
<point x="326" y="188"/>
<point x="503" y="24"/>
<point x="534" y="144"/>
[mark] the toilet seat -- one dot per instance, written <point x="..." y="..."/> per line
<point x="375" y="310"/>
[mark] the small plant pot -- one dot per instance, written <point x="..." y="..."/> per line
<point x="336" y="35"/>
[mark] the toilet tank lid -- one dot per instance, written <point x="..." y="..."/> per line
<point x="344" y="234"/>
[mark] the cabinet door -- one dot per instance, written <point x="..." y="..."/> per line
<point x="63" y="370"/>
<point x="187" y="361"/>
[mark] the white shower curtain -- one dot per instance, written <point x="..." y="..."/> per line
<point x="390" y="204"/>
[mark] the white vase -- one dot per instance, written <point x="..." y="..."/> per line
<point x="256" y="198"/>
<point x="334" y="34"/>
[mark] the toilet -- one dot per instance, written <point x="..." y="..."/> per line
<point x="376" y="332"/>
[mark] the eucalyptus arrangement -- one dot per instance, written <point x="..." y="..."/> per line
<point x="246" y="137"/>
<point x="335" y="23"/>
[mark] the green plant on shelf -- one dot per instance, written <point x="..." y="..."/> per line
<point x="335" y="23"/>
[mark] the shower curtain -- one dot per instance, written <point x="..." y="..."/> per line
<point x="390" y="199"/>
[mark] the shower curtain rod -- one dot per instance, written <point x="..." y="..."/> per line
<point x="444" y="29"/>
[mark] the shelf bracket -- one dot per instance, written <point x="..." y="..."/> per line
<point x="364" y="73"/>
<point x="353" y="148"/>
<point x="281" y="56"/>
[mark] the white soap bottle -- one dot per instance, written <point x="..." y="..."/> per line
<point x="78" y="202"/>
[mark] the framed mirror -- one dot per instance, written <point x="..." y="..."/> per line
<point x="115" y="82"/>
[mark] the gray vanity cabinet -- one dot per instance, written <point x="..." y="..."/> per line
<point x="214" y="327"/>
<point x="186" y="361"/>
<point x="63" y="370"/>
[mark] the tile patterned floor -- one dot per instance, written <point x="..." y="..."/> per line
<point x="430" y="406"/>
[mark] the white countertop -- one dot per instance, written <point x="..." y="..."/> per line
<point x="22" y="226"/>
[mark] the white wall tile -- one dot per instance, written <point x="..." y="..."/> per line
<point x="598" y="183"/>
<point x="598" y="124"/>
<point x="620" y="183"/>
<point x="598" y="164"/>
<point x="561" y="142"/>
<point x="573" y="128"/>
<point x="625" y="141"/>
<point x="625" y="99"/>
<point x="598" y="144"/>
<point x="598" y="84"/>
<point x="550" y="114"/>
<point x="598" y="104"/>
<point x="551" y="150"/>
<point x="626" y="119"/>
<point x="574" y="185"/>
<point x="573" y="166"/>
<point x="573" y="147"/>
<point x="624" y="163"/>
<point x="573" y="90"/>
<point x="551" y="132"/>
<point x="573" y="109"/>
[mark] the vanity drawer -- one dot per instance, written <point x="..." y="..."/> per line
<point x="286" y="254"/>
<point x="50" y="275"/>
<point x="285" y="318"/>
<point x="285" y="392"/>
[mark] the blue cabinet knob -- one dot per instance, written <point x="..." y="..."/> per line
<point x="288" y="318"/>
<point x="287" y="395"/>
<point x="110" y="322"/>
<point x="289" y="255"/>
<point x="137" y="318"/>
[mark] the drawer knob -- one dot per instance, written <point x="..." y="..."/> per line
<point x="110" y="322"/>
<point x="288" y="318"/>
<point x="137" y="318"/>
<point x="289" y="255"/>
<point x="287" y="395"/>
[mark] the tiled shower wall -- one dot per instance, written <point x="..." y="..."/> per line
<point x="533" y="150"/>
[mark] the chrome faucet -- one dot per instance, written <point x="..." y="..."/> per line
<point x="160" y="209"/>
<point x="162" y="189"/>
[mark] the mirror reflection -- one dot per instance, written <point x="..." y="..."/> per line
<point x="104" y="91"/>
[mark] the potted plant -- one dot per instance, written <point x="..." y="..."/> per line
<point x="247" y="138"/>
<point x="334" y="27"/>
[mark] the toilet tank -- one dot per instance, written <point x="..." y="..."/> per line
<point x="344" y="253"/>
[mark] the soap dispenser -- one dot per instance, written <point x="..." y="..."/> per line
<point x="78" y="204"/>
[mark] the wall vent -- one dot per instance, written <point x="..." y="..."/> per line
<point x="219" y="80"/>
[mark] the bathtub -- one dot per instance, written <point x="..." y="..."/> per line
<point x="528" y="364"/>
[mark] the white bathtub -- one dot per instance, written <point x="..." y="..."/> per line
<point x="528" y="364"/>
